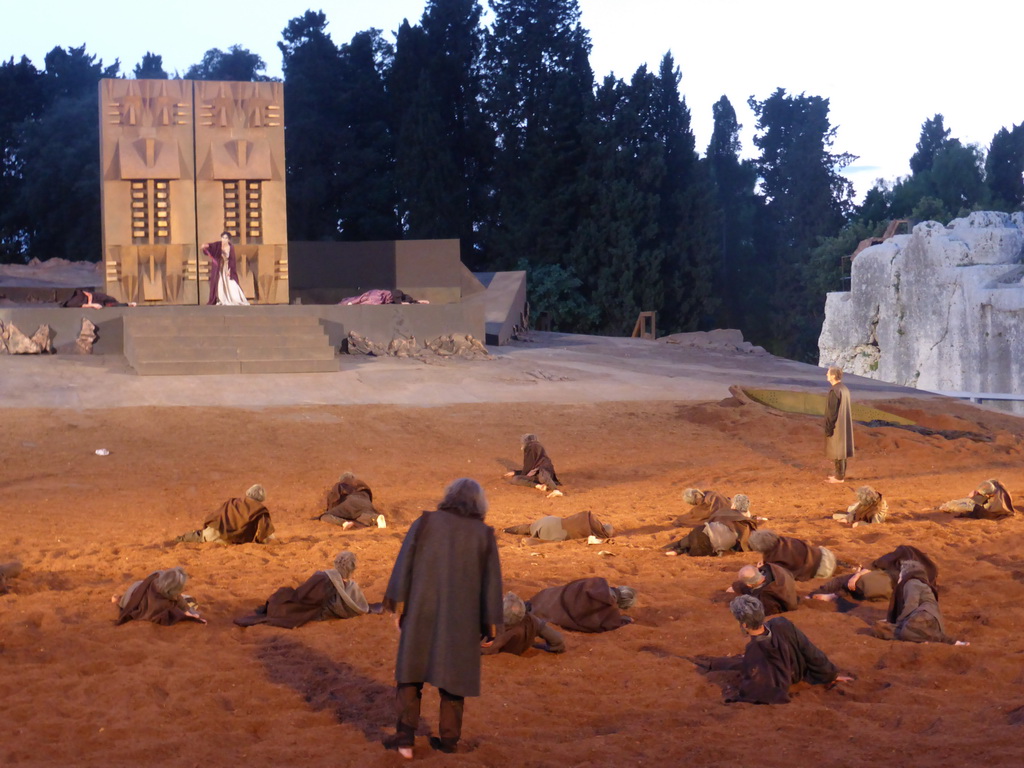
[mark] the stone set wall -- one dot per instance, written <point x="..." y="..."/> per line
<point x="940" y="309"/>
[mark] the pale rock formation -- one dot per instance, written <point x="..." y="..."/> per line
<point x="940" y="309"/>
<point x="13" y="341"/>
<point x="84" y="343"/>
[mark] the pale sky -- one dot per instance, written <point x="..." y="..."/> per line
<point x="885" y="67"/>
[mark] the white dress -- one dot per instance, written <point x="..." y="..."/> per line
<point x="229" y="292"/>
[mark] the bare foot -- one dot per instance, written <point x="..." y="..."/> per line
<point x="670" y="553"/>
<point x="829" y="597"/>
<point x="540" y="487"/>
<point x="347" y="524"/>
<point x="555" y="493"/>
<point x="381" y="522"/>
<point x="114" y="598"/>
<point x="833" y="479"/>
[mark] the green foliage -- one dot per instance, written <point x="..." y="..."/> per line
<point x="237" y="63"/>
<point x="150" y="68"/>
<point x="1004" y="169"/>
<point x="806" y="199"/>
<point x="554" y="290"/>
<point x="443" y="144"/>
<point x="934" y="136"/>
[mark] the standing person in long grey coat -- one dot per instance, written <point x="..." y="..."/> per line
<point x="838" y="424"/>
<point x="446" y="589"/>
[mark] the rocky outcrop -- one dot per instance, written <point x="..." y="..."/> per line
<point x="14" y="342"/>
<point x="940" y="309"/>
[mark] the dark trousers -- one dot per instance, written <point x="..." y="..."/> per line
<point x="840" y="469"/>
<point x="407" y="705"/>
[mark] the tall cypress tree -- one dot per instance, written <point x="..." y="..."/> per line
<point x="539" y="99"/>
<point x="806" y="199"/>
<point x="1004" y="169"/>
<point x="443" y="143"/>
<point x="740" y="274"/>
<point x="312" y="68"/>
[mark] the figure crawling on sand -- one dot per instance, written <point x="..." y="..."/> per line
<point x="724" y="530"/>
<point x="330" y="594"/>
<point x="584" y="605"/>
<point x="158" y="598"/>
<point x="238" y="521"/>
<point x="778" y="655"/>
<point x="350" y="504"/>
<point x="538" y="469"/>
<point x="582" y="525"/>
<point x="990" y="501"/>
<point x="870" y="507"/>
<point x="521" y="630"/>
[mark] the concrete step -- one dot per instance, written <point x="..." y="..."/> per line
<point x="227" y="341"/>
<point x="213" y="367"/>
<point x="248" y="340"/>
<point x="176" y="353"/>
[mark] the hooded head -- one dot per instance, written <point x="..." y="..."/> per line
<point x="171" y="582"/>
<point x="868" y="495"/>
<point x="625" y="597"/>
<point x="345" y="564"/>
<point x="693" y="496"/>
<point x="514" y="609"/>
<point x="762" y="541"/>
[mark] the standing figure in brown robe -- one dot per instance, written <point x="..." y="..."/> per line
<point x="870" y="507"/>
<point x="772" y="584"/>
<point x="778" y="655"/>
<point x="521" y="630"/>
<point x="703" y="504"/>
<point x="725" y="530"/>
<point x="805" y="561"/>
<point x="990" y="501"/>
<point x="865" y="584"/>
<point x="8" y="571"/>
<point x="238" y="521"/>
<point x="838" y="424"/>
<point x="350" y="504"/>
<point x="584" y="605"/>
<point x="582" y="525"/>
<point x="914" y="614"/>
<point x="446" y="589"/>
<point x="158" y="598"/>
<point x="331" y="594"/>
<point x="538" y="469"/>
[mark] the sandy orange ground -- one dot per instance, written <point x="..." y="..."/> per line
<point x="76" y="690"/>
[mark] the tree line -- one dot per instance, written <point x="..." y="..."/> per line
<point x="502" y="137"/>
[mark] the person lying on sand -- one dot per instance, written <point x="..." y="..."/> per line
<point x="521" y="630"/>
<point x="582" y="525"/>
<point x="989" y="501"/>
<point x="538" y="469"/>
<point x="725" y="530"/>
<point x="914" y="614"/>
<point x="772" y="584"/>
<point x="331" y="594"/>
<point x="703" y="504"/>
<point x="584" y="605"/>
<point x="350" y="504"/>
<point x="805" y="561"/>
<point x="870" y="507"/>
<point x="158" y="598"/>
<point x="865" y="584"/>
<point x="238" y="521"/>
